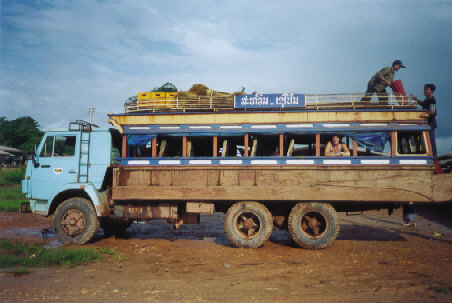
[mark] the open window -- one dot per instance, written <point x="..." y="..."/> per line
<point x="231" y="146"/>
<point x="199" y="146"/>
<point x="411" y="143"/>
<point x="300" y="145"/>
<point x="264" y="145"/>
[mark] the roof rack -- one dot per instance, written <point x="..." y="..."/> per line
<point x="353" y="101"/>
<point x="81" y="125"/>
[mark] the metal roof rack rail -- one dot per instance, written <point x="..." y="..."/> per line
<point x="81" y="125"/>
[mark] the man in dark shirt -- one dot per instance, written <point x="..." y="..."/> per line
<point x="430" y="105"/>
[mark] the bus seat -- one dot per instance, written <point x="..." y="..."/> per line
<point x="162" y="150"/>
<point x="254" y="148"/>
<point x="290" y="148"/>
<point x="224" y="152"/>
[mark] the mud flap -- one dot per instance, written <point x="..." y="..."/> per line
<point x="25" y="207"/>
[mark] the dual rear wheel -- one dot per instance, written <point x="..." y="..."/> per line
<point x="312" y="225"/>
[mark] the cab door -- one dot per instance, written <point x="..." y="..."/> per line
<point x="57" y="164"/>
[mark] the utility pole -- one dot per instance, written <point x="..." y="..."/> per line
<point x="91" y="111"/>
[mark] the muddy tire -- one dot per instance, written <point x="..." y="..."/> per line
<point x="248" y="224"/>
<point x="75" y="221"/>
<point x="313" y="225"/>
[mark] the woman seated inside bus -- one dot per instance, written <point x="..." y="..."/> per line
<point x="335" y="148"/>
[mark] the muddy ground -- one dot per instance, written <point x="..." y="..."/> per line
<point x="374" y="259"/>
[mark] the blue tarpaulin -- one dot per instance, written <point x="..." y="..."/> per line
<point x="139" y="140"/>
<point x="375" y="141"/>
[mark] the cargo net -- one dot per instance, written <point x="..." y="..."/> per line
<point x="201" y="98"/>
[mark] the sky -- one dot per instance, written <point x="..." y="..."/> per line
<point x="61" y="57"/>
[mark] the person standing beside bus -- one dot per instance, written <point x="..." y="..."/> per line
<point x="335" y="148"/>
<point x="377" y="84"/>
<point x="430" y="105"/>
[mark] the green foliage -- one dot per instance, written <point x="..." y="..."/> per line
<point x="11" y="193"/>
<point x="23" y="253"/>
<point x="22" y="133"/>
<point x="10" y="176"/>
<point x="11" y="198"/>
<point x="10" y="205"/>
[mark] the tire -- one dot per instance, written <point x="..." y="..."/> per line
<point x="248" y="224"/>
<point x="75" y="221"/>
<point x="313" y="225"/>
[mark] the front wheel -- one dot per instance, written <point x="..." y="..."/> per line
<point x="75" y="221"/>
<point x="248" y="224"/>
<point x="313" y="225"/>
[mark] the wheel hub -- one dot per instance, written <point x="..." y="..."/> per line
<point x="248" y="224"/>
<point x="313" y="224"/>
<point x="73" y="222"/>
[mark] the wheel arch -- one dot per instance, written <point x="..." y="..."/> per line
<point x="64" y="195"/>
<point x="89" y="192"/>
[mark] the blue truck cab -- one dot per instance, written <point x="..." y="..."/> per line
<point x="69" y="177"/>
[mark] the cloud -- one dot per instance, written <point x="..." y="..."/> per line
<point x="60" y="57"/>
<point x="444" y="145"/>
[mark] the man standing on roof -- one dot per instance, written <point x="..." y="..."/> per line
<point x="377" y="84"/>
<point x="430" y="105"/>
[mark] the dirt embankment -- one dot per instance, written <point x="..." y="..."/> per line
<point x="374" y="259"/>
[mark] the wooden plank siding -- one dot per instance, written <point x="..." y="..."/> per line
<point x="326" y="183"/>
<point x="413" y="116"/>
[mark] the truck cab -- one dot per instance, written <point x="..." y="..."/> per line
<point x="72" y="163"/>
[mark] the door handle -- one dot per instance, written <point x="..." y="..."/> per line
<point x="72" y="171"/>
<point x="45" y="166"/>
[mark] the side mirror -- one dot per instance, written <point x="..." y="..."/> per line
<point x="34" y="158"/>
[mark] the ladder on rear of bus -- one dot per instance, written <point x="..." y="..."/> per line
<point x="85" y="129"/>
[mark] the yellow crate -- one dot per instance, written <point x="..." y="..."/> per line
<point x="158" y="99"/>
<point x="171" y="95"/>
<point x="143" y="96"/>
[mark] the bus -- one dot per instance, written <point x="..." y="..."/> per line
<point x="262" y="163"/>
<point x="259" y="158"/>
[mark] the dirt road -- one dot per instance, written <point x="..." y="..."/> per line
<point x="374" y="259"/>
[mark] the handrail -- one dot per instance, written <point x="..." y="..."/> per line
<point x="312" y="102"/>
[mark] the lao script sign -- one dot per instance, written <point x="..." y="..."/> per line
<point x="269" y="100"/>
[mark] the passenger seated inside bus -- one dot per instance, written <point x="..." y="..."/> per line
<point x="335" y="148"/>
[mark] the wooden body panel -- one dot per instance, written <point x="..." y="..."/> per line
<point x="268" y="117"/>
<point x="305" y="183"/>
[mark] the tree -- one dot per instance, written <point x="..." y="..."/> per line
<point x="22" y="133"/>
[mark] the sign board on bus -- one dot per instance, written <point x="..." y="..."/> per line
<point x="269" y="100"/>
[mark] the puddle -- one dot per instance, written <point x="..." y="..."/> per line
<point x="28" y="232"/>
<point x="210" y="229"/>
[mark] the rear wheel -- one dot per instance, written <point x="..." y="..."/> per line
<point x="248" y="224"/>
<point x="75" y="221"/>
<point x="313" y="225"/>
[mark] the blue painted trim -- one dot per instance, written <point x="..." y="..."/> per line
<point x="217" y="129"/>
<point x="281" y="161"/>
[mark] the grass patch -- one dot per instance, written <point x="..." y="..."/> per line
<point x="10" y="198"/>
<point x="9" y="176"/>
<point x="442" y="287"/>
<point x="28" y="254"/>
<point x="11" y="193"/>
